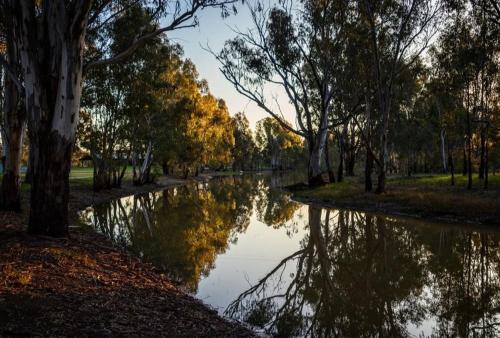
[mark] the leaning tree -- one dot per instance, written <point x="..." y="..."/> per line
<point x="293" y="47"/>
<point x="50" y="36"/>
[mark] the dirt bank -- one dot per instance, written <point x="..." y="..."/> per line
<point x="83" y="286"/>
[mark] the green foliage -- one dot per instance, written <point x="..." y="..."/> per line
<point x="244" y="152"/>
<point x="279" y="147"/>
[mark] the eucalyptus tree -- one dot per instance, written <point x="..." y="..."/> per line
<point x="467" y="64"/>
<point x="398" y="31"/>
<point x="51" y="38"/>
<point x="292" y="46"/>
<point x="278" y="145"/>
<point x="244" y="149"/>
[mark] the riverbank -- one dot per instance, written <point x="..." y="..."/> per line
<point x="84" y="286"/>
<point x="429" y="197"/>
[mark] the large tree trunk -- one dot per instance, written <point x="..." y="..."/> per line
<point x="314" y="170"/>
<point x="51" y="48"/>
<point x="316" y="149"/>
<point x="50" y="185"/>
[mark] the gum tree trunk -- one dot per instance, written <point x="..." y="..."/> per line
<point x="145" y="170"/>
<point x="316" y="149"/>
<point x="51" y="54"/>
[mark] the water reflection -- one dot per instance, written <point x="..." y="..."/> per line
<point x="325" y="273"/>
<point x="359" y="275"/>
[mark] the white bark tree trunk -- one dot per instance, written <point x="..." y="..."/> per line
<point x="51" y="46"/>
<point x="316" y="151"/>
<point x="442" y="135"/>
<point x="145" y="169"/>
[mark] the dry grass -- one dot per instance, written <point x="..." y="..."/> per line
<point x="425" y="195"/>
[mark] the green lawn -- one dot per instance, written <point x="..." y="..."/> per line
<point x="79" y="177"/>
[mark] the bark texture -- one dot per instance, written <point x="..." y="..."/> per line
<point x="14" y="122"/>
<point x="51" y="44"/>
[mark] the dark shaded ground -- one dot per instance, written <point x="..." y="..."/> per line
<point x="82" y="286"/>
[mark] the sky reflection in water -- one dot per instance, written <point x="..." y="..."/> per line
<point x="293" y="269"/>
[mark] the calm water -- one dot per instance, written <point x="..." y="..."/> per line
<point x="241" y="245"/>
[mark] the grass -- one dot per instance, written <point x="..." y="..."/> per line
<point x="79" y="177"/>
<point x="430" y="195"/>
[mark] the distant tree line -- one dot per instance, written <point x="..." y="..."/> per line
<point x="395" y="86"/>
<point x="48" y="49"/>
<point x="387" y="86"/>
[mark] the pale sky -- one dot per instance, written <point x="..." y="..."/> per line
<point x="214" y="31"/>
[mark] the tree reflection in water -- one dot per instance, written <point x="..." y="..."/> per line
<point x="353" y="274"/>
<point x="361" y="275"/>
<point x="183" y="229"/>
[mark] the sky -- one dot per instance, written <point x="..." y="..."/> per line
<point x="214" y="31"/>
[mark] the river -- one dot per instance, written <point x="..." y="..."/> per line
<point x="244" y="247"/>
